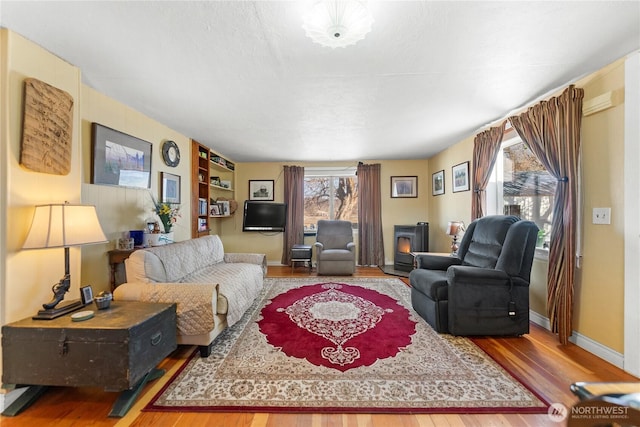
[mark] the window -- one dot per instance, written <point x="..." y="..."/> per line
<point x="520" y="185"/>
<point x="330" y="193"/>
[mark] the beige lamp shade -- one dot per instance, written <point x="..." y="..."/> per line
<point x="454" y="228"/>
<point x="64" y="225"/>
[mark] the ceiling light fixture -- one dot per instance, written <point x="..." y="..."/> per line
<point x="334" y="23"/>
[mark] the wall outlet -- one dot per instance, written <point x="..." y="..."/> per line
<point x="602" y="215"/>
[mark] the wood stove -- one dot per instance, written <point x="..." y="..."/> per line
<point x="407" y="239"/>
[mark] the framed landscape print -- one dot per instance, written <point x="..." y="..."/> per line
<point x="170" y="188"/>
<point x="261" y="190"/>
<point x="404" y="186"/>
<point x="460" y="175"/>
<point x="437" y="183"/>
<point x="119" y="159"/>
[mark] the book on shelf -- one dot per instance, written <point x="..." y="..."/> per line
<point x="202" y="224"/>
<point x="202" y="206"/>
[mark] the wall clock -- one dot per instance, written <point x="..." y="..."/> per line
<point x="171" y="153"/>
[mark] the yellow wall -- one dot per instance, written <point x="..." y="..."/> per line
<point x="600" y="285"/>
<point x="122" y="209"/>
<point x="600" y="280"/>
<point x="394" y="211"/>
<point x="30" y="274"/>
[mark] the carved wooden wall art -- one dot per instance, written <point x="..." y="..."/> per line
<point x="47" y="128"/>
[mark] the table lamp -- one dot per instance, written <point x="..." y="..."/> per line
<point x="454" y="228"/>
<point x="63" y="226"/>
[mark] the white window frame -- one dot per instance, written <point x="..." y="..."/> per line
<point x="329" y="172"/>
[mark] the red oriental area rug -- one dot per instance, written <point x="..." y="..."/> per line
<point x="342" y="345"/>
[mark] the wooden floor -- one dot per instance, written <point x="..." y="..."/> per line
<point x="549" y="368"/>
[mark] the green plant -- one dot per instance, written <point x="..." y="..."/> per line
<point x="167" y="212"/>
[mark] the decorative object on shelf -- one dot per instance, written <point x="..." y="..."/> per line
<point x="261" y="190"/>
<point x="171" y="153"/>
<point x="47" y="127"/>
<point x="454" y="229"/>
<point x="167" y="213"/>
<point x="63" y="226"/>
<point x="233" y="205"/>
<point x="170" y="187"/>
<point x="460" y="175"/>
<point x="119" y="159"/>
<point x="103" y="300"/>
<point x="125" y="243"/>
<point x="160" y="239"/>
<point x="404" y="186"/>
<point x="437" y="183"/>
<point x="335" y="23"/>
<point x="86" y="295"/>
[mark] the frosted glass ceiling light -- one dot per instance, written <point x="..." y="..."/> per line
<point x="338" y="23"/>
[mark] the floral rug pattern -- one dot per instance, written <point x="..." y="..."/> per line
<point x="433" y="373"/>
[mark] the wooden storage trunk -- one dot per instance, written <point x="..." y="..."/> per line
<point x="113" y="350"/>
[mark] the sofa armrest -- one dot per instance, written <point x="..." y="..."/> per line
<point x="197" y="303"/>
<point x="351" y="247"/>
<point x="258" y="259"/>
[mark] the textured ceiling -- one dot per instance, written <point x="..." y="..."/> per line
<point x="242" y="76"/>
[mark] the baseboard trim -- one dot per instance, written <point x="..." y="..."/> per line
<point x="594" y="347"/>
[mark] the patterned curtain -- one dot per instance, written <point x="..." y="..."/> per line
<point x="486" y="147"/>
<point x="551" y="129"/>
<point x="370" y="241"/>
<point x="294" y="197"/>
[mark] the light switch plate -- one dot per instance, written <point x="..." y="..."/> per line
<point x="602" y="215"/>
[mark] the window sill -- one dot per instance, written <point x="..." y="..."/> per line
<point x="542" y="254"/>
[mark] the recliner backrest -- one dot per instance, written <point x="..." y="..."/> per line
<point x="334" y="234"/>
<point x="483" y="240"/>
<point x="518" y="250"/>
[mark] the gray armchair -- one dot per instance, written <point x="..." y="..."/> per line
<point x="484" y="290"/>
<point x="335" y="250"/>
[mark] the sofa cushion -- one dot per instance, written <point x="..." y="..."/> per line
<point x="239" y="284"/>
<point x="171" y="263"/>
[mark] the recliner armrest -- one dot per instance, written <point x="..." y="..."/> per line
<point x="465" y="274"/>
<point x="319" y="246"/>
<point x="436" y="262"/>
<point x="351" y="246"/>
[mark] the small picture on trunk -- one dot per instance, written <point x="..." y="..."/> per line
<point x="86" y="294"/>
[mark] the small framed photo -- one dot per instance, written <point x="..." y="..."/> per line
<point x="404" y="186"/>
<point x="437" y="183"/>
<point x="86" y="294"/>
<point x="170" y="188"/>
<point x="261" y="190"/>
<point x="214" y="210"/>
<point x="460" y="175"/>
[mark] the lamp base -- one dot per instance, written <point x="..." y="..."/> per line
<point x="61" y="310"/>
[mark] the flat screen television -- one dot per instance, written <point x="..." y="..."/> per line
<point x="264" y="216"/>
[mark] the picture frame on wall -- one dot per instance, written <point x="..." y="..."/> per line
<point x="437" y="183"/>
<point x="119" y="159"/>
<point x="170" y="187"/>
<point x="261" y="190"/>
<point x="404" y="186"/>
<point x="460" y="177"/>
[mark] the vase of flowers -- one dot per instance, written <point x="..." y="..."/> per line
<point x="168" y="214"/>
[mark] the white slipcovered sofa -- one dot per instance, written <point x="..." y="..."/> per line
<point x="212" y="289"/>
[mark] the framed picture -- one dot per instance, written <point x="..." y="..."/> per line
<point x="460" y="175"/>
<point x="170" y="187"/>
<point x="437" y="183"/>
<point x="404" y="186"/>
<point x="119" y="159"/>
<point x="214" y="210"/>
<point x="261" y="190"/>
<point x="86" y="294"/>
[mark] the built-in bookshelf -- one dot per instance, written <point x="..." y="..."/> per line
<point x="212" y="189"/>
<point x="199" y="189"/>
